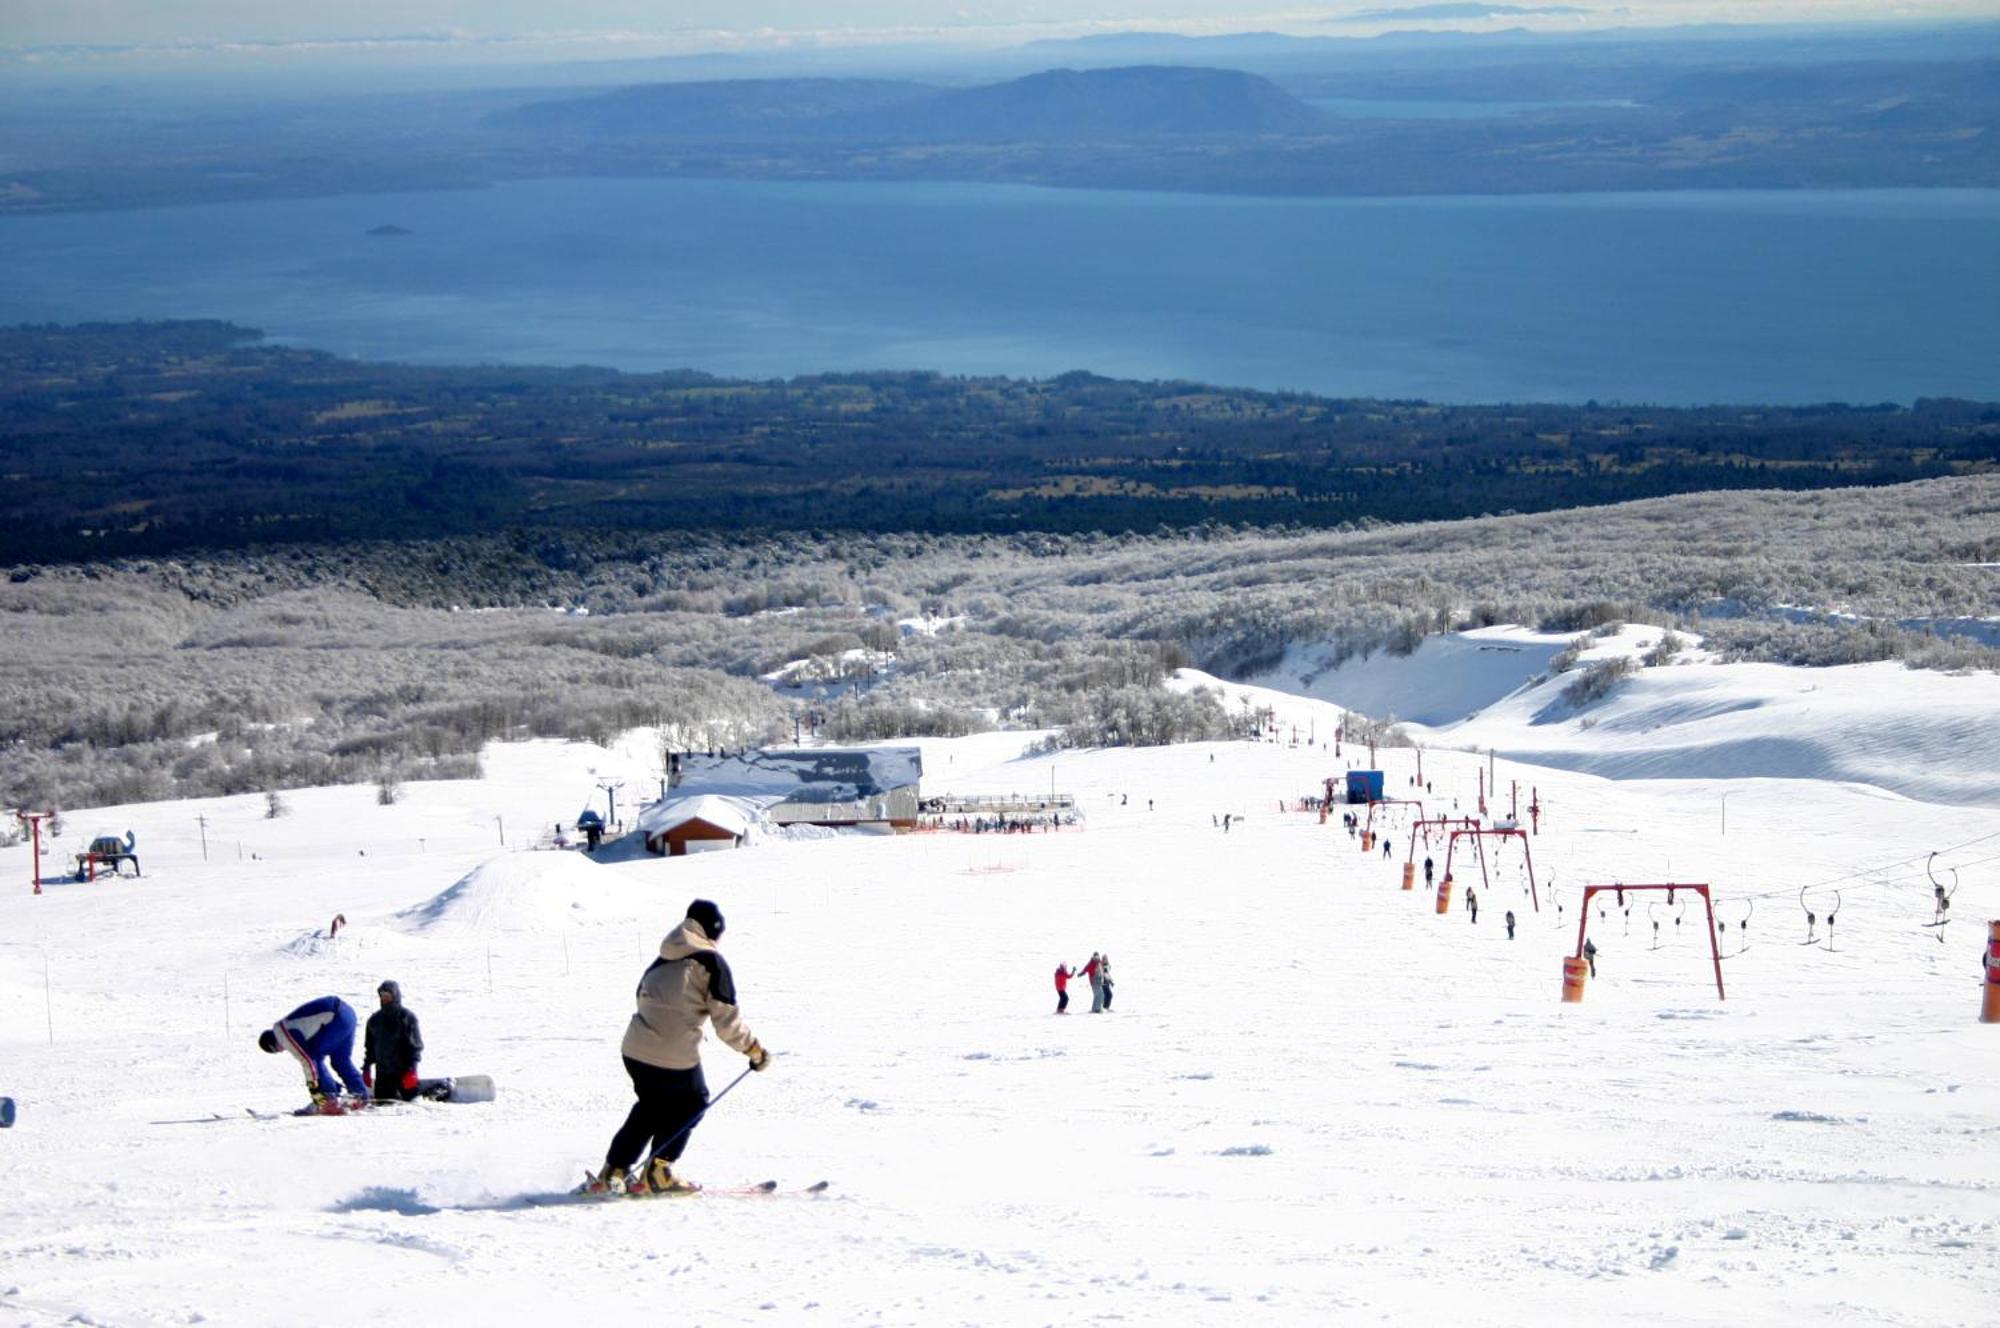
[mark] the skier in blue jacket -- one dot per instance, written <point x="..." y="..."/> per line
<point x="317" y="1032"/>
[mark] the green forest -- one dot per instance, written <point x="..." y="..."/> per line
<point x="151" y="438"/>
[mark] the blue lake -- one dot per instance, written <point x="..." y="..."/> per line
<point x="1664" y="297"/>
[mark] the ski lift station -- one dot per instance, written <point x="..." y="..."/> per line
<point x="845" y="788"/>
<point x="1364" y="786"/>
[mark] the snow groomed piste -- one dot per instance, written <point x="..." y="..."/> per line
<point x="1317" y="1098"/>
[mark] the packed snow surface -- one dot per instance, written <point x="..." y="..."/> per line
<point x="1917" y="732"/>
<point x="1316" y="1099"/>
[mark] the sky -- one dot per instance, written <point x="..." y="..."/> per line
<point x="610" y="28"/>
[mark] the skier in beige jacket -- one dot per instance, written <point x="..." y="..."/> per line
<point x="687" y="986"/>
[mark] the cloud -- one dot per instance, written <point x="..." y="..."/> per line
<point x="1463" y="11"/>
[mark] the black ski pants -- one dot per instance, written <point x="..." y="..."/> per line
<point x="668" y="1100"/>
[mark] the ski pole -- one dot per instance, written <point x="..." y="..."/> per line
<point x="695" y="1119"/>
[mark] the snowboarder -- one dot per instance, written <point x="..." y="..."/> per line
<point x="1094" y="970"/>
<point x="392" y="1047"/>
<point x="1104" y="977"/>
<point x="316" y="1033"/>
<point x="1063" y="974"/>
<point x="687" y="986"/>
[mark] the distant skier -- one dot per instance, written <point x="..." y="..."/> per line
<point x="1104" y="977"/>
<point x="392" y="1047"/>
<point x="1427" y="870"/>
<point x="687" y="986"/>
<point x="1472" y="904"/>
<point x="1063" y="974"/>
<point x="1386" y="844"/>
<point x="316" y="1033"/>
<point x="1094" y="972"/>
<point x="1510" y="924"/>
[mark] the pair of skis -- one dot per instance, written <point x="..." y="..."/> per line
<point x="752" y="1190"/>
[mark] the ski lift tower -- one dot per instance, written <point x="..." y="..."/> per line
<point x="33" y="820"/>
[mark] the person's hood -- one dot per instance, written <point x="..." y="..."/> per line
<point x="394" y="989"/>
<point x="686" y="937"/>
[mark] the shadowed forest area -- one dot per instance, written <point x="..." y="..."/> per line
<point x="152" y="438"/>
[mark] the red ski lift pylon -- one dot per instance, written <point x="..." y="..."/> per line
<point x="1479" y="835"/>
<point x="1570" y="979"/>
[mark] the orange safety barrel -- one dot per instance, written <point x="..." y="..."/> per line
<point x="1989" y="1009"/>
<point x="1444" y="894"/>
<point x="1409" y="876"/>
<point x="1575" y="971"/>
<point x="1367" y="841"/>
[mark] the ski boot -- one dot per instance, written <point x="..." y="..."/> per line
<point x="608" y="1180"/>
<point x="657" y="1178"/>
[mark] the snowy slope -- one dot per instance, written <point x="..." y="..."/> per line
<point x="1316" y="1101"/>
<point x="1921" y="733"/>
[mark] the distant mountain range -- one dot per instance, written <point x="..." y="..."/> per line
<point x="1059" y="105"/>
<point x="1865" y="106"/>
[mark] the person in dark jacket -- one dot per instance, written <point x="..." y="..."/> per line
<point x="392" y="1047"/>
<point x="688" y="986"/>
<point x="315" y="1033"/>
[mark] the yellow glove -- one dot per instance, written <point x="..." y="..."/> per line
<point x="759" y="1058"/>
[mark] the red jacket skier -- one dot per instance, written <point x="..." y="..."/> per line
<point x="1063" y="974"/>
<point x="1092" y="972"/>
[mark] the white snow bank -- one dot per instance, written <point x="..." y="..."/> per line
<point x="1920" y="733"/>
<point x="1917" y="732"/>
<point x="520" y="892"/>
<point x="1446" y="679"/>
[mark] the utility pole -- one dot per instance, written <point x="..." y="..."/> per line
<point x="611" y="787"/>
<point x="202" y="821"/>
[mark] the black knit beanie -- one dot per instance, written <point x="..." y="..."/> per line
<point x="709" y="916"/>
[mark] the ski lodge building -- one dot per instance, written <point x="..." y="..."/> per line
<point x="712" y="798"/>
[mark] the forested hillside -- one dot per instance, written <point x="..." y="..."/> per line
<point x="153" y="438"/>
<point x="139" y="679"/>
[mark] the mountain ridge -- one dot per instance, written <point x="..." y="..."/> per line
<point x="1056" y="105"/>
